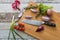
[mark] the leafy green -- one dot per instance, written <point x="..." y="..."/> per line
<point x="43" y="9"/>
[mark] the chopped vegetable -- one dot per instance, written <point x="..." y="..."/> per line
<point x="45" y="18"/>
<point x="28" y="17"/>
<point x="34" y="10"/>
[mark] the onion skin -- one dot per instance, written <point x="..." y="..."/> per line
<point x="45" y="18"/>
<point x="40" y="28"/>
<point x="49" y="12"/>
<point x="28" y="17"/>
<point x="33" y="10"/>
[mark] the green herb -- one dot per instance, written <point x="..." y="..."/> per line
<point x="32" y="7"/>
<point x="43" y="9"/>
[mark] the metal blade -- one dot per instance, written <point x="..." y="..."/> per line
<point x="32" y="22"/>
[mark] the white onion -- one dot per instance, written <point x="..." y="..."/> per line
<point x="45" y="18"/>
<point x="33" y="10"/>
<point x="28" y="17"/>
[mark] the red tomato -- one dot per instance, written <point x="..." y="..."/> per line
<point x="22" y="29"/>
<point x="17" y="28"/>
<point x="21" y="24"/>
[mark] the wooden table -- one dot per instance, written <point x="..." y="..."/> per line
<point x="49" y="33"/>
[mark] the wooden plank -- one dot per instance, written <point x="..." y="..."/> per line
<point x="49" y="33"/>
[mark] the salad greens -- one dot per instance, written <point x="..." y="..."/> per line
<point x="43" y="9"/>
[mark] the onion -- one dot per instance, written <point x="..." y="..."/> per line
<point x="49" y="12"/>
<point x="45" y="18"/>
<point x="33" y="10"/>
<point x="28" y="17"/>
<point x="40" y="28"/>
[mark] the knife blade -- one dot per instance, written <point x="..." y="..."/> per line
<point x="33" y="22"/>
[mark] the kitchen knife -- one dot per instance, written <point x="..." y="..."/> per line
<point x="38" y="23"/>
<point x="33" y="22"/>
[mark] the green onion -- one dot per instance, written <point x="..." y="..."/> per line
<point x="9" y="35"/>
<point x="18" y="35"/>
<point x="13" y="35"/>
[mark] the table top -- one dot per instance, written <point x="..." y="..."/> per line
<point x="49" y="33"/>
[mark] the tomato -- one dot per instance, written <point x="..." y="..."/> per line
<point x="17" y="28"/>
<point x="22" y="29"/>
<point x="21" y="24"/>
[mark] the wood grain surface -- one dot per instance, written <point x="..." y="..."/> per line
<point x="49" y="33"/>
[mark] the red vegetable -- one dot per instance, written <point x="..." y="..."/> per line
<point x="22" y="29"/>
<point x="21" y="24"/>
<point x="40" y="28"/>
<point x="16" y="4"/>
<point x="17" y="28"/>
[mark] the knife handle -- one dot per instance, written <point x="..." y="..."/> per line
<point x="50" y="24"/>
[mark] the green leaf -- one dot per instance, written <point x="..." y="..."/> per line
<point x="18" y="35"/>
<point x="37" y="15"/>
<point x="12" y="26"/>
<point x="13" y="35"/>
<point x="9" y="35"/>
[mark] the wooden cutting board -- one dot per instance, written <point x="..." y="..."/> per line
<point x="49" y="33"/>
